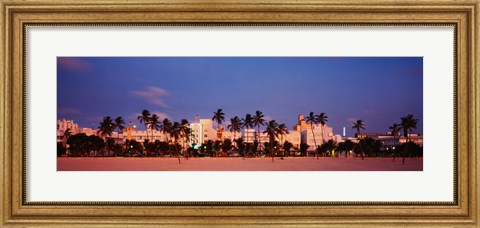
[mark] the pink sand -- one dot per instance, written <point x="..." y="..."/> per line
<point x="238" y="164"/>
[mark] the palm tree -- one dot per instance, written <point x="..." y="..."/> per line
<point x="154" y="124"/>
<point x="227" y="145"/>
<point x="217" y="146"/>
<point x="235" y="125"/>
<point x="176" y="133"/>
<point x="312" y="119"/>
<point x="258" y="120"/>
<point x="359" y="124"/>
<point x="186" y="131"/>
<point x="271" y="131"/>
<point x="322" y="120"/>
<point x="119" y="124"/>
<point x="330" y="145"/>
<point x="287" y="146"/>
<point x="166" y="128"/>
<point x="408" y="123"/>
<point x="67" y="133"/>
<point x="395" y="128"/>
<point x="106" y="127"/>
<point x="145" y="119"/>
<point x="218" y="117"/>
<point x="349" y="145"/>
<point x="247" y="123"/>
<point x="282" y="130"/>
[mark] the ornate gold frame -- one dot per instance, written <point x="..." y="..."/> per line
<point x="463" y="14"/>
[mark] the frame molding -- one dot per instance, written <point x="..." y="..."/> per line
<point x="15" y="14"/>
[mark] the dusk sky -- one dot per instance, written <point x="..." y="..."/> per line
<point x="378" y="90"/>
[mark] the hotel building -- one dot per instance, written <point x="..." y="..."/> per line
<point x="203" y="130"/>
<point x="62" y="126"/>
<point x="389" y="141"/>
<point x="321" y="134"/>
<point x="292" y="136"/>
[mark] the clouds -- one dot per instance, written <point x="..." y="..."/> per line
<point x="161" y="115"/>
<point x="73" y="64"/>
<point x="153" y="95"/>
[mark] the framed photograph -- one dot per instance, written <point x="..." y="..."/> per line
<point x="245" y="113"/>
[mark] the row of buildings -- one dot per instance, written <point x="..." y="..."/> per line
<point x="203" y="130"/>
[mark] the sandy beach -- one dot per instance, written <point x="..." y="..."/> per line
<point x="237" y="164"/>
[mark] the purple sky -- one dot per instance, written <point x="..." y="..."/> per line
<point x="378" y="90"/>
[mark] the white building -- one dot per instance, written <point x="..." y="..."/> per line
<point x="309" y="131"/>
<point x="292" y="136"/>
<point x="388" y="141"/>
<point x="202" y="131"/>
<point x="87" y="131"/>
<point x="250" y="136"/>
<point x="231" y="135"/>
<point x="312" y="138"/>
<point x="321" y="136"/>
<point x="64" y="124"/>
<point x="141" y="136"/>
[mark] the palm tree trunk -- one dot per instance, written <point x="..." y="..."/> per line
<point x="245" y="147"/>
<point x="361" y="148"/>
<point x="394" y="152"/>
<point x="246" y="151"/>
<point x="168" y="144"/>
<point x="271" y="151"/>
<point x="259" y="139"/>
<point x="115" y="152"/>
<point x="106" y="146"/>
<point x="314" y="141"/>
<point x="146" y="131"/>
<point x="176" y="149"/>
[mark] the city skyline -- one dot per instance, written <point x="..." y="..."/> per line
<point x="378" y="90"/>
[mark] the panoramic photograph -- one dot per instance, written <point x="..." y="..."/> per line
<point x="239" y="114"/>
